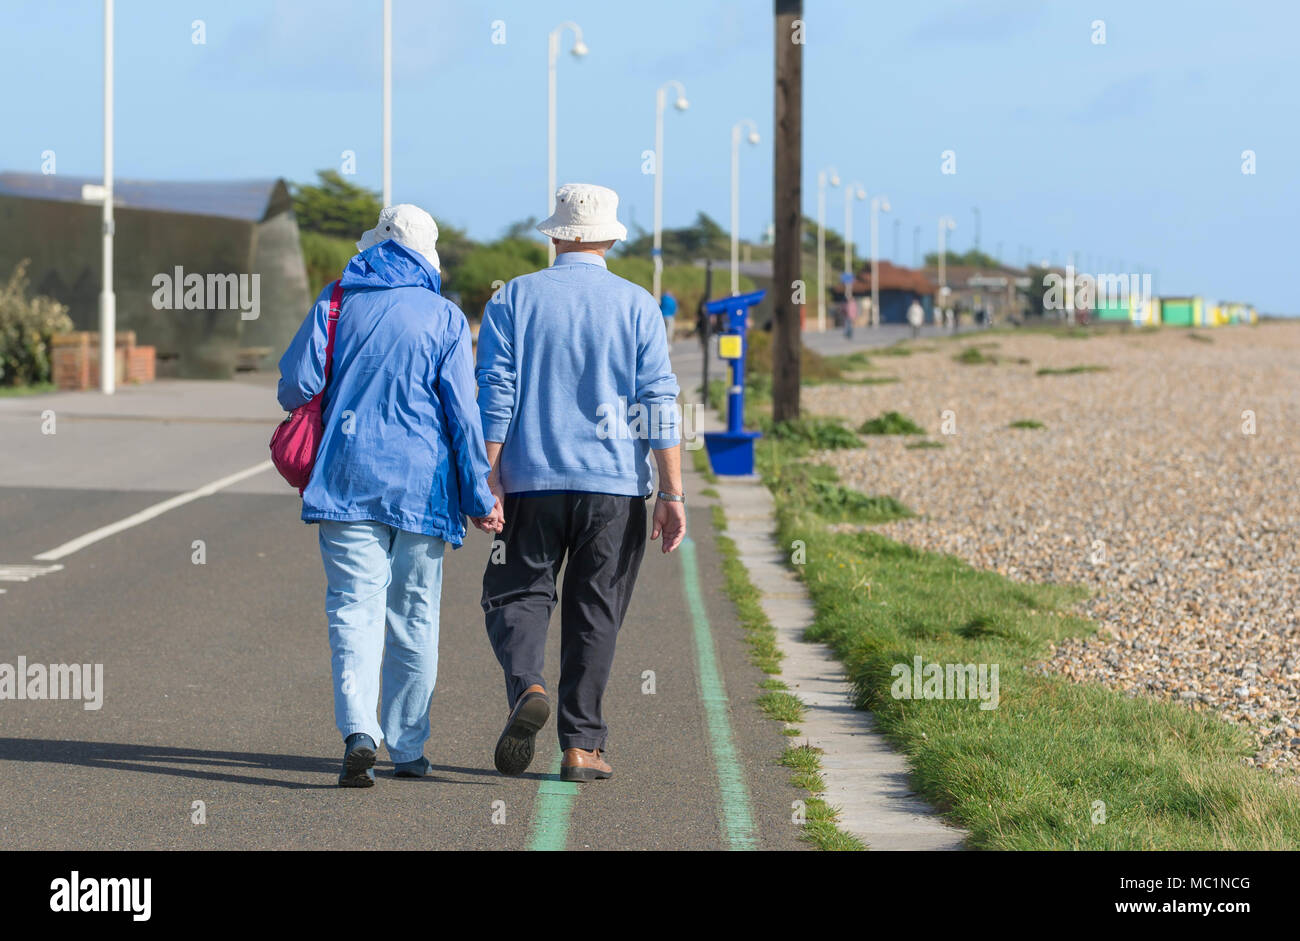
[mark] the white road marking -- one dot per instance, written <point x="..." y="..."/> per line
<point x="24" y="573"/>
<point x="158" y="509"/>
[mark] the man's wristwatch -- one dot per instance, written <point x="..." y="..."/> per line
<point x="672" y="497"/>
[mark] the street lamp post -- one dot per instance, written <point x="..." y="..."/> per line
<point x="388" y="102"/>
<point x="553" y="53"/>
<point x="878" y="204"/>
<point x="946" y="225"/>
<point x="831" y="175"/>
<point x="976" y="211"/>
<point x="735" y="197"/>
<point x="850" y="192"/>
<point x="107" y="299"/>
<point x="681" y="104"/>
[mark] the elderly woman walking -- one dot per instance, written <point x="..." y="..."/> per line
<point x="400" y="463"/>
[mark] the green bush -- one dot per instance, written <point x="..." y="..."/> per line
<point x="824" y="434"/>
<point x="475" y="278"/>
<point x="891" y="423"/>
<point x="325" y="257"/>
<point x="27" y="325"/>
<point x="973" y="356"/>
<point x="335" y="207"/>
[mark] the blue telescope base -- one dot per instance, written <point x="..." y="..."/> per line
<point x="731" y="453"/>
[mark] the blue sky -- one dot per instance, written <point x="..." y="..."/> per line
<point x="1124" y="152"/>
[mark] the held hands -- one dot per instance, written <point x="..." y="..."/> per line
<point x="495" y="521"/>
<point x="670" y="522"/>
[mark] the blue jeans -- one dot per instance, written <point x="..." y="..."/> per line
<point x="380" y="575"/>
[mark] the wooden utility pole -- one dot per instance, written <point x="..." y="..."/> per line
<point x="788" y="206"/>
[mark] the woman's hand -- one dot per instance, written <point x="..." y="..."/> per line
<point x="494" y="522"/>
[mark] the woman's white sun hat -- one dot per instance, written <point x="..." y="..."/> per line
<point x="584" y="212"/>
<point x="408" y="225"/>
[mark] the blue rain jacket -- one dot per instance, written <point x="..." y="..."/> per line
<point x="402" y="443"/>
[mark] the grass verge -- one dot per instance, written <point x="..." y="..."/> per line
<point x="700" y="461"/>
<point x="819" y="822"/>
<point x="13" y="392"/>
<point x="1056" y="764"/>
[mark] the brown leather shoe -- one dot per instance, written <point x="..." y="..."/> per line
<point x="582" y="765"/>
<point x="514" y="751"/>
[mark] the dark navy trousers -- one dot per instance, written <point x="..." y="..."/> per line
<point x="600" y="539"/>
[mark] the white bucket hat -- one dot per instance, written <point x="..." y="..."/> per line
<point x="584" y="212"/>
<point x="408" y="225"/>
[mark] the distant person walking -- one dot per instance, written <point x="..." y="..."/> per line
<point x="566" y="357"/>
<point x="916" y="316"/>
<point x="668" y="307"/>
<point x="850" y="315"/>
<point x="400" y="460"/>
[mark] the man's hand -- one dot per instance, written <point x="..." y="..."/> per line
<point x="670" y="522"/>
<point x="670" y="516"/>
<point x="494" y="484"/>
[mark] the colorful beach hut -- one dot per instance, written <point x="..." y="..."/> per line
<point x="1184" y="312"/>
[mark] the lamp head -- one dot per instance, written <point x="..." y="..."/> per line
<point x="579" y="49"/>
<point x="681" y="104"/>
<point x="753" y="137"/>
<point x="884" y="204"/>
<point x="835" y="179"/>
<point x="860" y="193"/>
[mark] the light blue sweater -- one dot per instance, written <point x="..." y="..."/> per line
<point x="574" y="380"/>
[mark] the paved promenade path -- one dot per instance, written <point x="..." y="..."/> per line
<point x="216" y="676"/>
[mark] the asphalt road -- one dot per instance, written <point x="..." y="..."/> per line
<point x="216" y="680"/>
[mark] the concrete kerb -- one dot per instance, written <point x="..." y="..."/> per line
<point x="865" y="777"/>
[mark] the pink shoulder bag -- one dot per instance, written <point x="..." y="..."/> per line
<point x="297" y="438"/>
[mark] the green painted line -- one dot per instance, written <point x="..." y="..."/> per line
<point x="554" y="806"/>
<point x="555" y="797"/>
<point x="735" y="815"/>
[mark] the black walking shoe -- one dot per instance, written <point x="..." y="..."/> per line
<point x="358" y="761"/>
<point x="514" y="751"/>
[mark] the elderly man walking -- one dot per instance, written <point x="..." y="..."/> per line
<point x="576" y="393"/>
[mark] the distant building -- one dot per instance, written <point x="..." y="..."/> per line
<point x="213" y="230"/>
<point x="898" y="287"/>
<point x="996" y="291"/>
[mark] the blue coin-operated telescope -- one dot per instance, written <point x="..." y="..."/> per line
<point x="731" y="452"/>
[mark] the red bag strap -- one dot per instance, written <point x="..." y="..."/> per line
<point x="336" y="307"/>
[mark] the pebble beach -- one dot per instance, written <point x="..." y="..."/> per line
<point x="1165" y="482"/>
